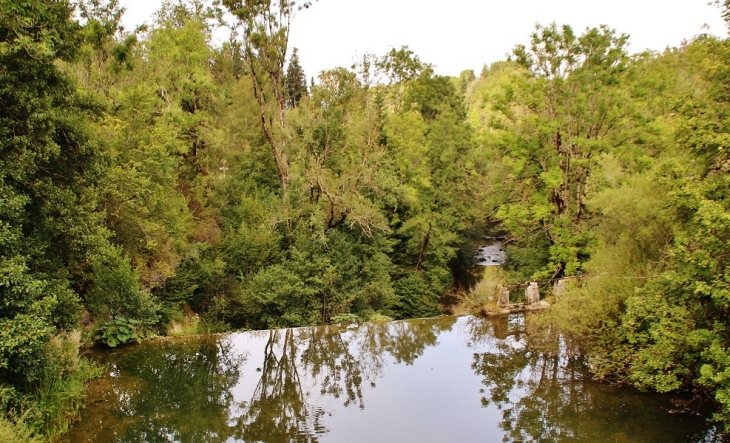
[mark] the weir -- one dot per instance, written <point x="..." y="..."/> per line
<point x="490" y="252"/>
<point x="532" y="300"/>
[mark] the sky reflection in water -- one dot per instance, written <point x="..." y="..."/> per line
<point x="434" y="380"/>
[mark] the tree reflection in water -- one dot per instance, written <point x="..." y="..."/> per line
<point x="278" y="410"/>
<point x="545" y="393"/>
<point x="289" y="385"/>
<point x="332" y="360"/>
<point x="182" y="390"/>
<point x="170" y="390"/>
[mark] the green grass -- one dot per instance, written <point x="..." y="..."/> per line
<point x="60" y="397"/>
<point x="189" y="324"/>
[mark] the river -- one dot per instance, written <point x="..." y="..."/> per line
<point x="445" y="379"/>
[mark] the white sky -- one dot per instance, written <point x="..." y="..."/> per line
<point x="464" y="34"/>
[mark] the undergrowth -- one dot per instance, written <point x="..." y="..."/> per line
<point x="484" y="296"/>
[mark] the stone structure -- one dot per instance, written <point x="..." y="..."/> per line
<point x="559" y="288"/>
<point x="532" y="294"/>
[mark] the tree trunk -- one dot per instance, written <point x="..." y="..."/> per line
<point x="280" y="159"/>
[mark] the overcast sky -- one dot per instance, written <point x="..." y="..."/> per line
<point x="465" y="34"/>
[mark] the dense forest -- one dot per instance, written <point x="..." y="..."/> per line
<point x="152" y="182"/>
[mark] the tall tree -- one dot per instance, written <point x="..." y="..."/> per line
<point x="571" y="109"/>
<point x="295" y="82"/>
<point x="50" y="233"/>
<point x="265" y="26"/>
<point x="465" y="79"/>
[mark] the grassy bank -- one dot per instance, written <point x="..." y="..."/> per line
<point x="48" y="411"/>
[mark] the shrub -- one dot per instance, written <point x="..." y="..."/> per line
<point x="16" y="432"/>
<point x="189" y="324"/>
<point x="120" y="331"/>
<point x="485" y="294"/>
<point x="116" y="290"/>
<point x="414" y="298"/>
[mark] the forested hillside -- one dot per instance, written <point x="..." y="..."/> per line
<point x="611" y="170"/>
<point x="151" y="179"/>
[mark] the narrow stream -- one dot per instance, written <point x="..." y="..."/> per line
<point x="445" y="379"/>
<point x="488" y="252"/>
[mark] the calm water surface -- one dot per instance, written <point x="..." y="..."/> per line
<point x="447" y="379"/>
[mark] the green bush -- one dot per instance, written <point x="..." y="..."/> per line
<point x="116" y="290"/>
<point x="414" y="298"/>
<point x="276" y="297"/>
<point x="120" y="331"/>
<point x="51" y="404"/>
<point x="16" y="432"/>
<point x="346" y="318"/>
<point x="484" y="296"/>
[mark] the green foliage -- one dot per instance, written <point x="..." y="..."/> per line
<point x="320" y="282"/>
<point x="57" y="393"/>
<point x="576" y="109"/>
<point x="49" y="228"/>
<point x="295" y="81"/>
<point x="277" y="297"/>
<point x="650" y="307"/>
<point x="145" y="174"/>
<point x="116" y="292"/>
<point x="16" y="432"/>
<point x="120" y="331"/>
<point x="186" y="323"/>
<point x="60" y="393"/>
<point x="414" y="298"/>
<point x="346" y="318"/>
<point x="199" y="278"/>
<point x="465" y="79"/>
<point x="483" y="298"/>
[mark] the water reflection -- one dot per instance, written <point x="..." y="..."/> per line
<point x="152" y="392"/>
<point x="432" y="380"/>
<point x="545" y="393"/>
<point x="278" y="409"/>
